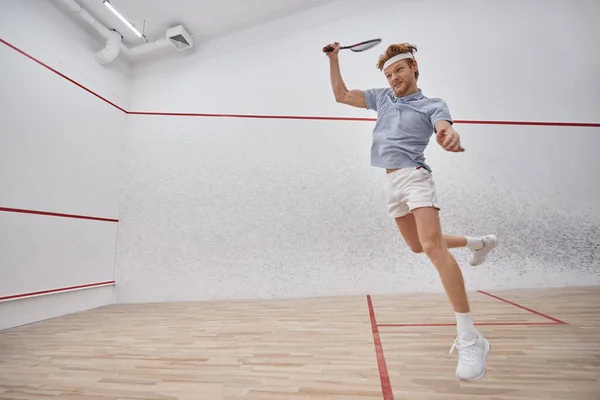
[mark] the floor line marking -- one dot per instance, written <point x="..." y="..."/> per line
<point x="386" y="386"/>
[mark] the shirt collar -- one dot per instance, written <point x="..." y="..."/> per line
<point x="415" y="96"/>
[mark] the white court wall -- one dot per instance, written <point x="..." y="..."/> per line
<point x="241" y="208"/>
<point x="61" y="151"/>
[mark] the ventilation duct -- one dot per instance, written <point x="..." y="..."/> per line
<point x="177" y="36"/>
<point x="113" y="38"/>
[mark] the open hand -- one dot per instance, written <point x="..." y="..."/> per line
<point x="449" y="139"/>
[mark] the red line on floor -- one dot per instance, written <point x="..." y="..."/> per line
<point x="523" y="323"/>
<point x="524" y="308"/>
<point x="386" y="386"/>
<point x="53" y="214"/>
<point x="60" y="74"/>
<point x="24" y="295"/>
<point x="314" y="118"/>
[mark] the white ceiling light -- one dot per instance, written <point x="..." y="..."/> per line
<point x="122" y="18"/>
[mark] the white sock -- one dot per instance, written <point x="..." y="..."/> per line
<point x="465" y="326"/>
<point x="475" y="243"/>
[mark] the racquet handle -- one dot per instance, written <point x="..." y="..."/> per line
<point x="328" y="49"/>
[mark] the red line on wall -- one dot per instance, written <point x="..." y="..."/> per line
<point x="250" y="116"/>
<point x="324" y="118"/>
<point x="314" y="118"/>
<point x="386" y="386"/>
<point x="65" y="289"/>
<point x="528" y="123"/>
<point x="524" y="308"/>
<point x="53" y="214"/>
<point x="521" y="323"/>
<point x="60" y="74"/>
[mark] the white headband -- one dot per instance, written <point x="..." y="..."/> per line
<point x="399" y="57"/>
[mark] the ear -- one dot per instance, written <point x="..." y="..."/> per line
<point x="415" y="66"/>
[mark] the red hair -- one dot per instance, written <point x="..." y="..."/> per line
<point x="395" y="49"/>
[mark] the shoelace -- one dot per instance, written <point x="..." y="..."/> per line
<point x="466" y="350"/>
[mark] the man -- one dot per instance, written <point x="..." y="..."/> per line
<point x="406" y="120"/>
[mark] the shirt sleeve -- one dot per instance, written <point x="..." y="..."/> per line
<point x="372" y="97"/>
<point x="439" y="112"/>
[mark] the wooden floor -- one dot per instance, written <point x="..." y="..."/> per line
<point x="545" y="345"/>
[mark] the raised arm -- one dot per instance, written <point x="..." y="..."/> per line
<point x="355" y="98"/>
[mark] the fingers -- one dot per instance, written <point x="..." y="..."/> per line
<point x="449" y="141"/>
<point x="440" y="135"/>
<point x="454" y="146"/>
<point x="332" y="48"/>
<point x="457" y="149"/>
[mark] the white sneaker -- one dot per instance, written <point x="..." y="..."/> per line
<point x="490" y="242"/>
<point x="472" y="357"/>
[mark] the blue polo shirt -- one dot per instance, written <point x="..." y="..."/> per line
<point x="404" y="127"/>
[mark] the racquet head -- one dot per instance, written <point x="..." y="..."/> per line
<point x="358" y="47"/>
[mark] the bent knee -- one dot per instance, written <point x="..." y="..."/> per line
<point x="416" y="247"/>
<point x="433" y="247"/>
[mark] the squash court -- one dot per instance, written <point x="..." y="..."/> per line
<point x="242" y="200"/>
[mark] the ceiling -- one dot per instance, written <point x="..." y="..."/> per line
<point x="203" y="19"/>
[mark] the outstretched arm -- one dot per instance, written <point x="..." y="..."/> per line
<point x="355" y="98"/>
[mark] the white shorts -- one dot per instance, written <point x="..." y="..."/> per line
<point x="410" y="188"/>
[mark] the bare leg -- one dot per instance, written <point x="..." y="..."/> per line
<point x="408" y="229"/>
<point x="432" y="241"/>
<point x="473" y="348"/>
<point x="453" y="241"/>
